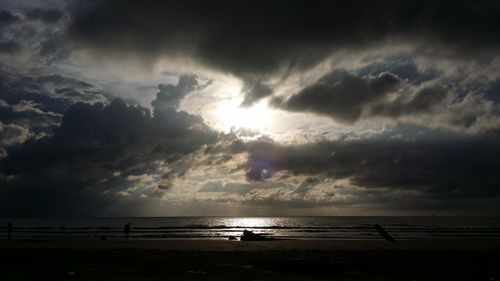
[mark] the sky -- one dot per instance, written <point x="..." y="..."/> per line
<point x="249" y="108"/>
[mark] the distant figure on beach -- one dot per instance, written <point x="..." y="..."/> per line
<point x="9" y="230"/>
<point x="127" y="230"/>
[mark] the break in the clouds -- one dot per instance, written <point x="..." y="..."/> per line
<point x="243" y="107"/>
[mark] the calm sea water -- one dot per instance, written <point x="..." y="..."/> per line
<point x="281" y="227"/>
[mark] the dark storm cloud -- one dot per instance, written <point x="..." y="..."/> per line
<point x="7" y="18"/>
<point x="49" y="16"/>
<point x="346" y="97"/>
<point x="37" y="35"/>
<point x="95" y="154"/>
<point x="29" y="115"/>
<point x="10" y="48"/>
<point x="114" y="135"/>
<point x="446" y="167"/>
<point x="99" y="152"/>
<point x="171" y="95"/>
<point x="255" y="39"/>
<point x="32" y="106"/>
<point x="344" y="100"/>
<point x="53" y="49"/>
<point x="51" y="92"/>
<point x="63" y="81"/>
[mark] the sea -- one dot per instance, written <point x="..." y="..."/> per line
<point x="331" y="228"/>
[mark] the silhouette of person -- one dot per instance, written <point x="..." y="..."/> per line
<point x="127" y="230"/>
<point x="9" y="230"/>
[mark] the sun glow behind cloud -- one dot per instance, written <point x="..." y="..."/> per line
<point x="230" y="114"/>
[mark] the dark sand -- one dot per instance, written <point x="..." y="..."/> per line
<point x="234" y="260"/>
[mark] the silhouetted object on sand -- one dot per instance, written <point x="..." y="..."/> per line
<point x="127" y="230"/>
<point x="232" y="238"/>
<point x="383" y="233"/>
<point x="250" y="236"/>
<point x="9" y="230"/>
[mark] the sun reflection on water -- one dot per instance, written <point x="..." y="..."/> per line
<point x="250" y="222"/>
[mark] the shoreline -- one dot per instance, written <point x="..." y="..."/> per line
<point x="482" y="244"/>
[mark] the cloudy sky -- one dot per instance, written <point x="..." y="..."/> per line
<point x="165" y="108"/>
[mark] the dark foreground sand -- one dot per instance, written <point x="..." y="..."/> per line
<point x="234" y="260"/>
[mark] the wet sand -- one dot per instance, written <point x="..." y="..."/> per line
<point x="472" y="259"/>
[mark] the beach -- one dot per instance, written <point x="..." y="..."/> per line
<point x="450" y="259"/>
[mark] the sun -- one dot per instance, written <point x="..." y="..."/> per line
<point x="230" y="114"/>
